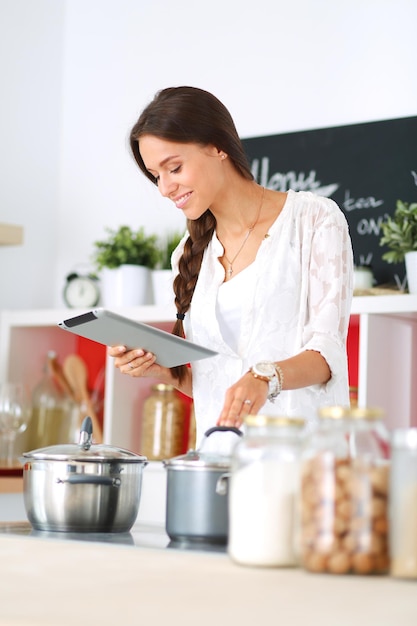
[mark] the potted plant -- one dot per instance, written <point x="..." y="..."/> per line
<point x="162" y="274"/>
<point x="400" y="235"/>
<point x="124" y="261"/>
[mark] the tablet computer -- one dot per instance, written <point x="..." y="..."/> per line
<point x="111" y="329"/>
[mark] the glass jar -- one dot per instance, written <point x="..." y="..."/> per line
<point x="403" y="503"/>
<point x="344" y="493"/>
<point x="263" y="491"/>
<point x="163" y="424"/>
<point x="52" y="410"/>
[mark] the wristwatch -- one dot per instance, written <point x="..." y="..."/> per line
<point x="265" y="370"/>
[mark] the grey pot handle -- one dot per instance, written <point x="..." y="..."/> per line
<point x="85" y="479"/>
<point x="216" y="429"/>
<point x="222" y="484"/>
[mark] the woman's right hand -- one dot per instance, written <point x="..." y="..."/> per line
<point x="136" y="363"/>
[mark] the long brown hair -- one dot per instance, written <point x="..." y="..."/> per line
<point x="190" y="115"/>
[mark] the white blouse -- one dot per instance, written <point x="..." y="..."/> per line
<point x="298" y="298"/>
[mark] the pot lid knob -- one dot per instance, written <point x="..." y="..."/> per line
<point x="86" y="433"/>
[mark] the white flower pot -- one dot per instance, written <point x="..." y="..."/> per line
<point x="411" y="269"/>
<point x="127" y="285"/>
<point x="163" y="293"/>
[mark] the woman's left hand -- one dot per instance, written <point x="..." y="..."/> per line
<point x="245" y="397"/>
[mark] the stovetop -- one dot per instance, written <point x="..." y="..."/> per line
<point x="140" y="536"/>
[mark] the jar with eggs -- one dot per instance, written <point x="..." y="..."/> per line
<point x="344" y="493"/>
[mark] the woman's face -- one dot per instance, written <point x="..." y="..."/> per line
<point x="190" y="175"/>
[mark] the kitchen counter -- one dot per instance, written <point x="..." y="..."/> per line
<point x="58" y="582"/>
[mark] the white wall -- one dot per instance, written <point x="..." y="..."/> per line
<point x="279" y="67"/>
<point x="30" y="114"/>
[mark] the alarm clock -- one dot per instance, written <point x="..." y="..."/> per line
<point x="81" y="291"/>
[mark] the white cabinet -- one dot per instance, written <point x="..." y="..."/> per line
<point x="388" y="356"/>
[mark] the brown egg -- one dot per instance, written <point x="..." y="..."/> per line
<point x="380" y="479"/>
<point x="362" y="563"/>
<point x="339" y="563"/>
<point x="315" y="562"/>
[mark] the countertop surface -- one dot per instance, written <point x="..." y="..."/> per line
<point x="56" y="581"/>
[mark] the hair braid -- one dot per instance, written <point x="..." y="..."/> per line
<point x="201" y="232"/>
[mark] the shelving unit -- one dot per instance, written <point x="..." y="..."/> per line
<point x="10" y="235"/>
<point x="386" y="355"/>
<point x="387" y="361"/>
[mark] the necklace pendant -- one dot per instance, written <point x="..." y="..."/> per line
<point x="230" y="271"/>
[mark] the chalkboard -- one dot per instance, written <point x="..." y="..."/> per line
<point x="365" y="168"/>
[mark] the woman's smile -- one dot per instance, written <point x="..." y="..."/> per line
<point x="181" y="201"/>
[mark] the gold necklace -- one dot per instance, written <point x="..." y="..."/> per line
<point x="230" y="268"/>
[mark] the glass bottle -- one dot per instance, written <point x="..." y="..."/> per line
<point x="52" y="410"/>
<point x="344" y="493"/>
<point x="263" y="490"/>
<point x="163" y="424"/>
<point x="403" y="504"/>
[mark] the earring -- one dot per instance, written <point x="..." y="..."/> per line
<point x="222" y="156"/>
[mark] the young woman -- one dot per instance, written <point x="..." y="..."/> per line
<point x="262" y="277"/>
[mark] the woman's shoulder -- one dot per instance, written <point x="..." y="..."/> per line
<point x="307" y="203"/>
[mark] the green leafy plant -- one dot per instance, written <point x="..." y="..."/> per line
<point x="166" y="247"/>
<point x="126" y="246"/>
<point x="400" y="232"/>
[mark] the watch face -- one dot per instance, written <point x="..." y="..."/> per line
<point x="81" y="291"/>
<point x="265" y="368"/>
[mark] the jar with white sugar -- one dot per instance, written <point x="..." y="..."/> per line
<point x="403" y="503"/>
<point x="263" y="492"/>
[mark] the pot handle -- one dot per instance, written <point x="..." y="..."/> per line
<point x="222" y="484"/>
<point x="85" y="479"/>
<point x="216" y="429"/>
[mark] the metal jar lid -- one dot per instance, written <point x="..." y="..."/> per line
<point x="274" y="420"/>
<point x="347" y="412"/>
<point x="85" y="450"/>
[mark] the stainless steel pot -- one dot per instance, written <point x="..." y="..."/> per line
<point x="82" y="488"/>
<point x="197" y="507"/>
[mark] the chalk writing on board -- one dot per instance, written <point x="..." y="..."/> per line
<point x="290" y="180"/>
<point x="365" y="168"/>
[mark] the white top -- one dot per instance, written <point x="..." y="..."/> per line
<point x="299" y="300"/>
<point x="230" y="299"/>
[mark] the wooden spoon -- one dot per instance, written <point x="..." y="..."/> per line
<point x="76" y="373"/>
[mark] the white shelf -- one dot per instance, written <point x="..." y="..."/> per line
<point x="401" y="303"/>
<point x="10" y="235"/>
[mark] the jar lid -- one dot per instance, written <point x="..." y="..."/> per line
<point x="405" y="438"/>
<point x="274" y="420"/>
<point x="350" y="412"/>
<point x="84" y="451"/>
<point x="162" y="387"/>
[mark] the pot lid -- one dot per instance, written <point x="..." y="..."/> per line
<point x="205" y="457"/>
<point x="85" y="450"/>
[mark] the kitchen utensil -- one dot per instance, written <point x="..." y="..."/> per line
<point x="76" y="373"/>
<point x="196" y="507"/>
<point x="82" y="487"/>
